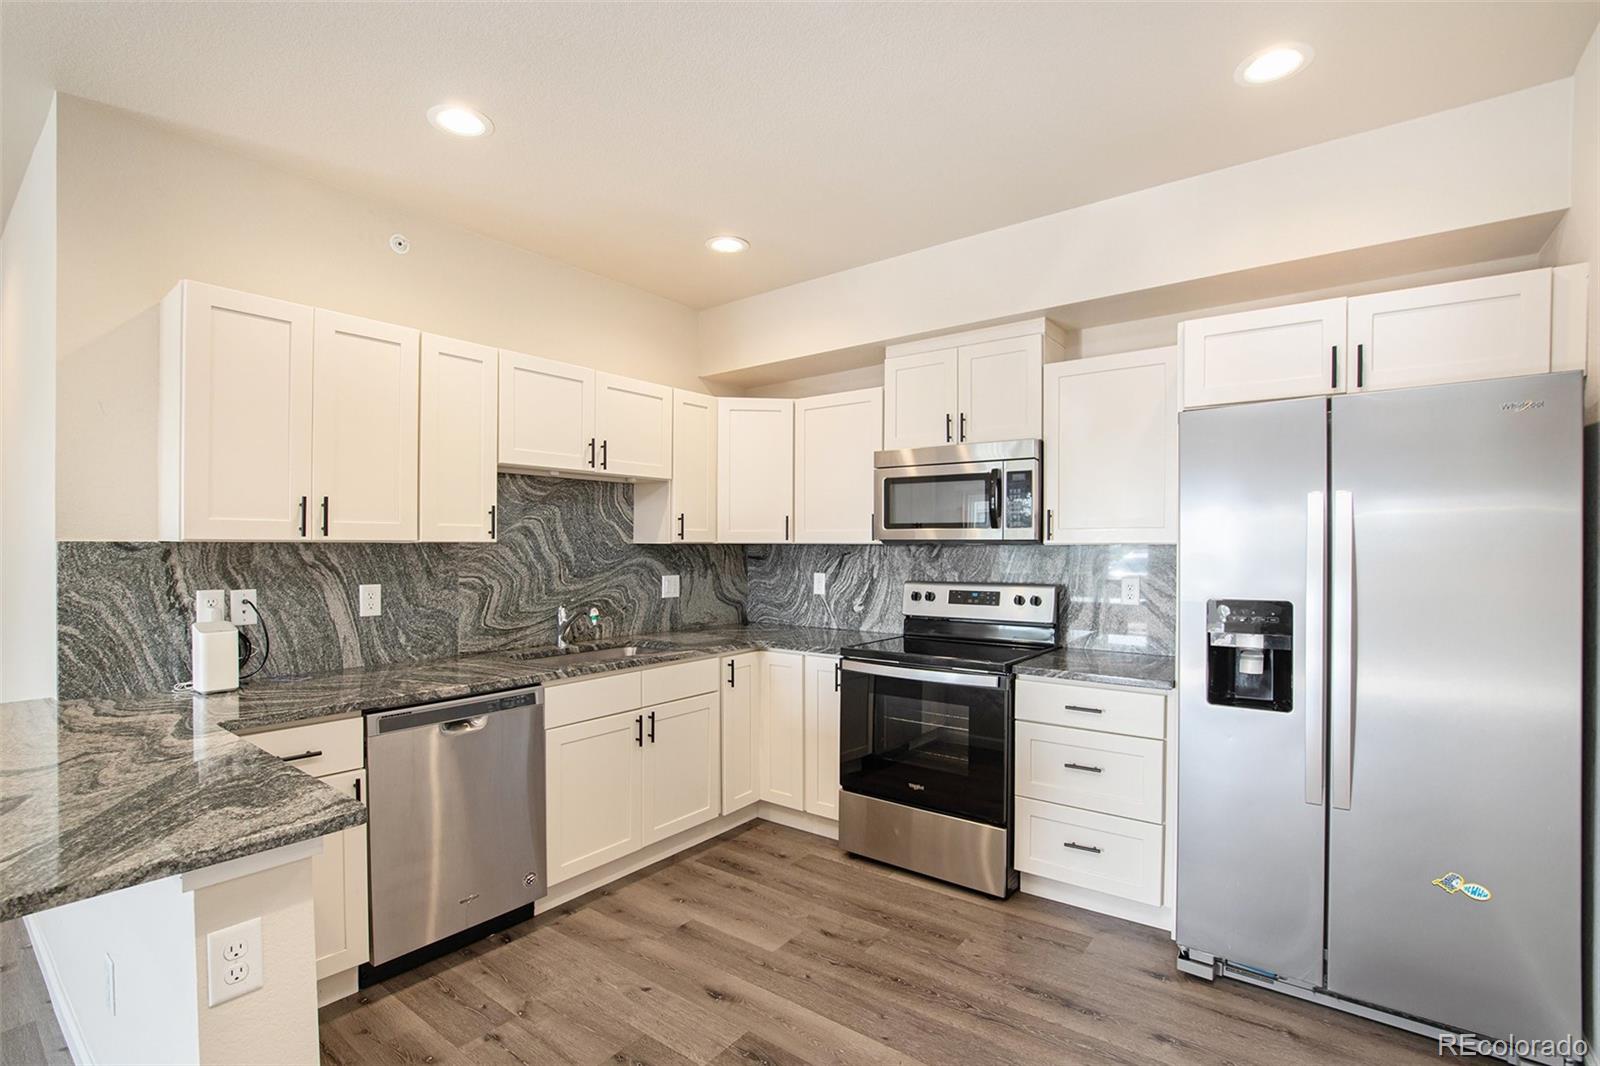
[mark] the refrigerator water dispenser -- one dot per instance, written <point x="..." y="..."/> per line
<point x="1250" y="654"/>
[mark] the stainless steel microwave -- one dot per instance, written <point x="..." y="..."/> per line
<point x="959" y="492"/>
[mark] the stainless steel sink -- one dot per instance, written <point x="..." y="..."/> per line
<point x="595" y="655"/>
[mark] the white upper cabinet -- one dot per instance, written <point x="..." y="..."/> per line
<point x="967" y="388"/>
<point x="1271" y="354"/>
<point x="1460" y="331"/>
<point x="683" y="510"/>
<point x="364" y="434"/>
<point x="999" y="383"/>
<point x="755" y="470"/>
<point x="236" y="402"/>
<point x="1111" y="449"/>
<point x="546" y="413"/>
<point x="834" y="438"/>
<point x="457" y="441"/>
<point x="633" y="423"/>
<point x="920" y="403"/>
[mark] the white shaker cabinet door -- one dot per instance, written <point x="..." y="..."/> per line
<point x="782" y="716"/>
<point x="1459" y="331"/>
<point x="1111" y="449"/>
<point x="694" y="467"/>
<point x="822" y="736"/>
<point x="633" y="421"/>
<point x="741" y="732"/>
<point x="1271" y="354"/>
<point x="682" y="766"/>
<point x="594" y="809"/>
<point x="546" y="414"/>
<point x="834" y="439"/>
<point x="920" y="401"/>
<point x="999" y="383"/>
<point x="237" y="370"/>
<point x="755" y="471"/>
<point x="364" y="430"/>
<point x="457" y="441"/>
<point x="339" y="888"/>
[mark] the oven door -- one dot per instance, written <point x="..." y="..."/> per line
<point x="949" y="501"/>
<point x="934" y="739"/>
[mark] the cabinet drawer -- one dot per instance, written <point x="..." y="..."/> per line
<point x="595" y="697"/>
<point x="319" y="749"/>
<point x="1117" y="856"/>
<point x="1137" y="714"/>
<point x="1101" y="772"/>
<point x="677" y="681"/>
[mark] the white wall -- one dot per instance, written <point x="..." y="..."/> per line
<point x="1499" y="159"/>
<point x="142" y="206"/>
<point x="27" y="431"/>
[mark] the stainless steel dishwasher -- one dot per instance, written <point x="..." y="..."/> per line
<point x="456" y="816"/>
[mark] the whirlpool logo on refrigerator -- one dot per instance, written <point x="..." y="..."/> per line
<point x="1516" y="407"/>
<point x="1453" y="883"/>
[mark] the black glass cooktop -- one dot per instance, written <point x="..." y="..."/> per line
<point x="932" y="651"/>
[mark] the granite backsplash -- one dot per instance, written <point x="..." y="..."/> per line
<point x="125" y="608"/>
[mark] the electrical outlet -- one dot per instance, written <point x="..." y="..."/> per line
<point x="239" y="612"/>
<point x="819" y="583"/>
<point x="209" y="601"/>
<point x="1130" y="590"/>
<point x="371" y="600"/>
<point x="669" y="586"/>
<point x="233" y="961"/>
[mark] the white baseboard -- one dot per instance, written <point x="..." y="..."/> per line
<point x="814" y="824"/>
<point x="1099" y="902"/>
<point x="59" y="1003"/>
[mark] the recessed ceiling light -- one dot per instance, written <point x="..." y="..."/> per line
<point x="1273" y="64"/>
<point x="727" y="244"/>
<point x="461" y="121"/>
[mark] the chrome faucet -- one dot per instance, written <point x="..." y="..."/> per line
<point x="564" y="623"/>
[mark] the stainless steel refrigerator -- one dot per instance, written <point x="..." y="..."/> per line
<point x="1380" y="742"/>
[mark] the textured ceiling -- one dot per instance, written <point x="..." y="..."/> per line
<point x="829" y="135"/>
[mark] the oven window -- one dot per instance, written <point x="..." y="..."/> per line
<point x="945" y="501"/>
<point x="935" y="746"/>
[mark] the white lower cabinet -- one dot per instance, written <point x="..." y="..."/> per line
<point x="783" y="728"/>
<point x="822" y="736"/>
<point x="339" y="888"/>
<point x="1117" y="856"/>
<point x="592" y="793"/>
<point x="1085" y="768"/>
<point x="741" y="733"/>
<point x="682" y="766"/>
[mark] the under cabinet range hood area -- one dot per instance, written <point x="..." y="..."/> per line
<point x="959" y="492"/>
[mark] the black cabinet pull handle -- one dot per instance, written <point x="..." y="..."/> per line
<point x="947" y="437"/>
<point x="1334" y="382"/>
<point x="324" y="516"/>
<point x="591" y="453"/>
<point x="1085" y="710"/>
<point x="1080" y="847"/>
<point x="652" y="727"/>
<point x="303" y="502"/>
<point x="837" y="672"/>
<point x="638" y="724"/>
<point x="963" y="436"/>
<point x="603" y="453"/>
<point x="731" y="675"/>
<point x="491" y="522"/>
<point x="680" y="526"/>
<point x="302" y="755"/>
<point x="1361" y="366"/>
<point x="785" y="527"/>
<point x="1085" y="769"/>
<point x="358" y="789"/>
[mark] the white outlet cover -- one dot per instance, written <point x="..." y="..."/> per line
<point x="233" y="962"/>
<point x="371" y="597"/>
<point x="669" y="586"/>
<point x="1130" y="590"/>
<point x="210" y="601"/>
<point x="819" y="583"/>
<point x="240" y="613"/>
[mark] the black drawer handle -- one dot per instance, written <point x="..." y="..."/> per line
<point x="1090" y="848"/>
<point x="1085" y="710"/>
<point x="302" y="755"/>
<point x="1085" y="769"/>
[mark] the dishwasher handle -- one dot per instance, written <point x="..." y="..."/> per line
<point x="454" y="716"/>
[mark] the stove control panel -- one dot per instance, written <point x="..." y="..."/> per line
<point x="1027" y="604"/>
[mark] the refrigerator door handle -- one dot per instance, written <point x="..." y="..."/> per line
<point x="1316" y="707"/>
<point x="1342" y="659"/>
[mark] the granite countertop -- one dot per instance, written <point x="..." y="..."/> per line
<point x="101" y="794"/>
<point x="1135" y="669"/>
<point x="97" y="795"/>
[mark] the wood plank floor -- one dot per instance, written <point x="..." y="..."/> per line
<point x="770" y="946"/>
<point x="29" y="1034"/>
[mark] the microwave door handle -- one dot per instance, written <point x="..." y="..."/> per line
<point x="994" y="499"/>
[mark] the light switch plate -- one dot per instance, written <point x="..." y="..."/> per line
<point x="669" y="586"/>
<point x="819" y="584"/>
<point x="233" y="962"/>
<point x="239" y="612"/>
<point x="371" y="597"/>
